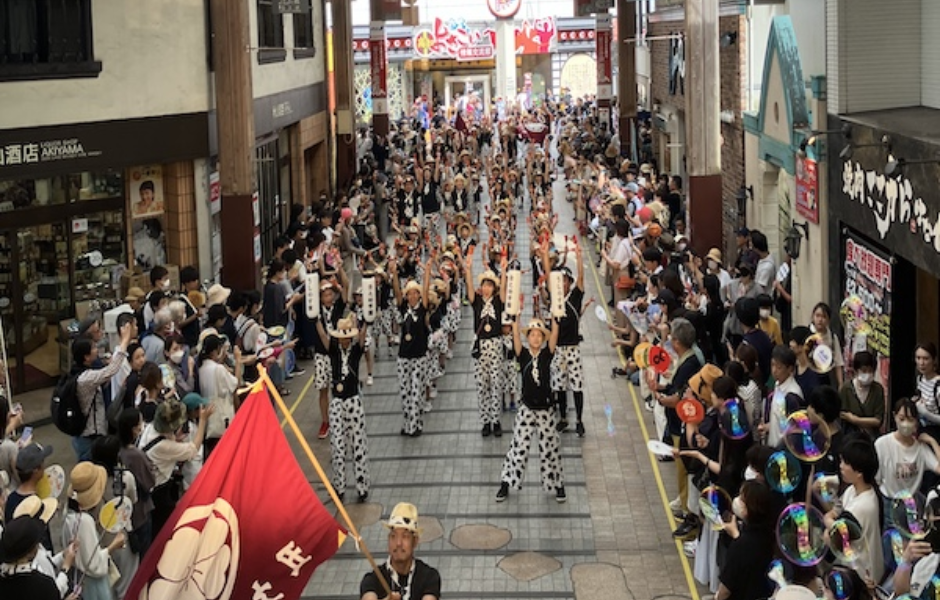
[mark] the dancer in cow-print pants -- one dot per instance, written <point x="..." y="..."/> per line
<point x="488" y="345"/>
<point x="413" y="348"/>
<point x="568" y="368"/>
<point x="537" y="414"/>
<point x="346" y="345"/>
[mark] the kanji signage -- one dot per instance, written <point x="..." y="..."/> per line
<point x="378" y="61"/>
<point x="604" y="67"/>
<point x="446" y="38"/>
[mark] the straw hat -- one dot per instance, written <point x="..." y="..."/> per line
<point x="326" y="285"/>
<point x="433" y="298"/>
<point x="88" y="483"/>
<point x="404" y="516"/>
<point x="465" y="227"/>
<point x="345" y="329"/>
<point x="536" y="324"/>
<point x="488" y="276"/>
<point x="412" y="285"/>
<point x="217" y="295"/>
<point x="170" y="417"/>
<point x="135" y="294"/>
<point x="715" y="255"/>
<point x="37" y="508"/>
<point x="701" y="383"/>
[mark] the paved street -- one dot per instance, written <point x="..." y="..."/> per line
<point x="610" y="540"/>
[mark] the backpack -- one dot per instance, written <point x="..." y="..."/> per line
<point x="64" y="407"/>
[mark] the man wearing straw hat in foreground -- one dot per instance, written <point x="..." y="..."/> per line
<point x="408" y="577"/>
<point x="347" y="419"/>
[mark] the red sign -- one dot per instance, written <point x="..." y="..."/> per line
<point x="691" y="411"/>
<point x="446" y="38"/>
<point x="250" y="526"/>
<point x="807" y="189"/>
<point x="379" y="64"/>
<point x="604" y="68"/>
<point x="475" y="53"/>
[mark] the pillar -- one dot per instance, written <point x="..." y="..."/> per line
<point x="179" y="195"/>
<point x="506" y="59"/>
<point x="345" y="104"/>
<point x="703" y="124"/>
<point x="602" y="40"/>
<point x="626" y="82"/>
<point x="236" y="130"/>
<point x="378" y="61"/>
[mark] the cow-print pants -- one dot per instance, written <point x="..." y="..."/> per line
<point x="412" y="381"/>
<point x="488" y="370"/>
<point x="529" y="421"/>
<point x="348" y="429"/>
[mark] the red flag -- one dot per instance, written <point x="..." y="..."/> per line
<point x="249" y="527"/>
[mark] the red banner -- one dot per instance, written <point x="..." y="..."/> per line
<point x="807" y="189"/>
<point x="379" y="64"/>
<point x="249" y="527"/>
<point x="602" y="40"/>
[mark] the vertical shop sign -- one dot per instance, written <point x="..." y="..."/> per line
<point x="807" y="189"/>
<point x="866" y="304"/>
<point x="602" y="40"/>
<point x="378" y="61"/>
<point x="215" y="193"/>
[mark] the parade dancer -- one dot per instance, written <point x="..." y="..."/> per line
<point x="567" y="366"/>
<point x="413" y="346"/>
<point x="512" y="384"/>
<point x="487" y="346"/>
<point x="359" y="311"/>
<point x="536" y="414"/>
<point x="346" y="345"/>
<point x="333" y="298"/>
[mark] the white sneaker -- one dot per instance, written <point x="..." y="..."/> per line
<point x="676" y="506"/>
<point x="369" y="380"/>
<point x="427" y="407"/>
<point x="450" y="354"/>
<point x="689" y="548"/>
<point x="433" y="391"/>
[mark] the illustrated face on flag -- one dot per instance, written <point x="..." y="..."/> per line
<point x="249" y="527"/>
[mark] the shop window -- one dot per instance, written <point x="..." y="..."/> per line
<point x="32" y="193"/>
<point x="268" y="177"/>
<point x="270" y="32"/>
<point x="304" y="46"/>
<point x="46" y="39"/>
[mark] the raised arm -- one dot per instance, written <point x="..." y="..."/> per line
<point x="468" y="275"/>
<point x="577" y="254"/>
<point x="503" y="262"/>
<point x="393" y="275"/>
<point x="553" y="338"/>
<point x="516" y="339"/>
<point x="426" y="284"/>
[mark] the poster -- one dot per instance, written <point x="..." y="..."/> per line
<point x="146" y="189"/>
<point x="866" y="305"/>
<point x="149" y="243"/>
<point x="807" y="189"/>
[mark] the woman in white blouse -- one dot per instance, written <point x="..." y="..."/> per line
<point x="218" y="385"/>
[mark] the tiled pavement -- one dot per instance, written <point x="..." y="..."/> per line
<point x="612" y="538"/>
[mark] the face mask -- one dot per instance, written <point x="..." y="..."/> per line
<point x="765" y="313"/>
<point x="750" y="474"/>
<point x="177" y="357"/>
<point x="865" y="379"/>
<point x="166" y="284"/>
<point x="907" y="429"/>
<point x="737" y="505"/>
<point x="681" y="247"/>
<point x="712" y="265"/>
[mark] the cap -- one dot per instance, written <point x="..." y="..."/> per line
<point x="193" y="401"/>
<point x="20" y="536"/>
<point x="31" y="457"/>
<point x="743" y="232"/>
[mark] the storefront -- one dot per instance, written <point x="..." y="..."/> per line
<point x="80" y="205"/>
<point x="885" y="241"/>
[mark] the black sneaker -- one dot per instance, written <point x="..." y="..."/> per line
<point x="487" y="430"/>
<point x="560" y="495"/>
<point x="503" y="492"/>
<point x="498" y="430"/>
<point x="580" y="429"/>
<point x="562" y="425"/>
<point x="688" y="529"/>
<point x="363" y="497"/>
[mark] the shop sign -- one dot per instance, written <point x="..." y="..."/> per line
<point x="257" y="246"/>
<point x="256" y="209"/>
<point x="891" y="202"/>
<point x="378" y="62"/>
<point x="677" y="65"/>
<point x="447" y="37"/>
<point x="604" y="69"/>
<point x="503" y="9"/>
<point x="293" y="6"/>
<point x="486" y="52"/>
<point x="79" y="225"/>
<point x="215" y="193"/>
<point x="866" y="305"/>
<point x="31" y="153"/>
<point x="807" y="189"/>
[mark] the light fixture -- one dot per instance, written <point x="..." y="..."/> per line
<point x="743" y="192"/>
<point x="813" y="137"/>
<point x="896" y="165"/>
<point x="793" y="239"/>
<point x="728" y="39"/>
<point x="849" y="149"/>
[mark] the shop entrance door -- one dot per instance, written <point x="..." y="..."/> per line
<point x="467" y="84"/>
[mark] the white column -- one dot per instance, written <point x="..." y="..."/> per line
<point x="506" y="59"/>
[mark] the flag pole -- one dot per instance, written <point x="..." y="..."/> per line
<point x="360" y="543"/>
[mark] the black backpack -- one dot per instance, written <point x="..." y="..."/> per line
<point x="64" y="407"/>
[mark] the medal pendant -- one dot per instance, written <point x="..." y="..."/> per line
<point x="339" y="387"/>
<point x="407" y="337"/>
<point x="488" y="328"/>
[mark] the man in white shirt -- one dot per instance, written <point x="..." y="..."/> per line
<point x="787" y="396"/>
<point x="766" y="269"/>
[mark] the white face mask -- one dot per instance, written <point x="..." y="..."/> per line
<point x="681" y="247"/>
<point x="737" y="506"/>
<point x="177" y="357"/>
<point x="865" y="379"/>
<point x="750" y="474"/>
<point x="166" y="284"/>
<point x="712" y="265"/>
<point x="907" y="428"/>
<point x="765" y="313"/>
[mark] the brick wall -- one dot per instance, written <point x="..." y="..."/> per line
<point x="733" y="73"/>
<point x="182" y="239"/>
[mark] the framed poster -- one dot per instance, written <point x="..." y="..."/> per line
<point x="146" y="191"/>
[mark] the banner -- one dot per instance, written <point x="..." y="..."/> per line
<point x="379" y="67"/>
<point x="455" y="37"/>
<point x="866" y="305"/>
<point x="602" y="41"/>
<point x="249" y="527"/>
<point x="807" y="189"/>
